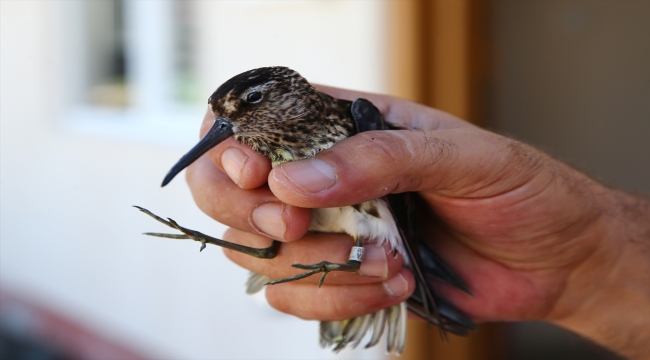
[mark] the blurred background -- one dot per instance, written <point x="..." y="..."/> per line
<point x="99" y="98"/>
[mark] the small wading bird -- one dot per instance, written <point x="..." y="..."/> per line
<point x="280" y="115"/>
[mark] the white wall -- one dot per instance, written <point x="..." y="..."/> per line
<point x="69" y="237"/>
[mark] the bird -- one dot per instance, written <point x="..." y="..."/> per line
<point x="280" y="115"/>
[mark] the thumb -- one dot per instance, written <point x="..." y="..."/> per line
<point x="460" y="162"/>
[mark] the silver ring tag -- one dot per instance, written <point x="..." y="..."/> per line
<point x="357" y="253"/>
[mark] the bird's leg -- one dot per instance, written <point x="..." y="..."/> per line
<point x="264" y="253"/>
<point x="324" y="267"/>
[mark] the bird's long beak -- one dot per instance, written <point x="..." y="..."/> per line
<point x="220" y="131"/>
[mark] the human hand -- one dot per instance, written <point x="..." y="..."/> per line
<point x="533" y="238"/>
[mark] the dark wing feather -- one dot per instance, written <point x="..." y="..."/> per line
<point x="403" y="208"/>
<point x="435" y="267"/>
<point x="366" y="116"/>
<point x="425" y="262"/>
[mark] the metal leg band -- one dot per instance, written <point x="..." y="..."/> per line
<point x="357" y="253"/>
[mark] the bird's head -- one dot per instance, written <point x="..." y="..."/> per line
<point x="276" y="112"/>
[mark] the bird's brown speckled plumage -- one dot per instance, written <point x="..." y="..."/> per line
<point x="296" y="124"/>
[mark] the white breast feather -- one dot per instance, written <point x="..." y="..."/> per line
<point x="347" y="219"/>
<point x="380" y="229"/>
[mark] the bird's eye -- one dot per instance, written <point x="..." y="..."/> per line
<point x="254" y="97"/>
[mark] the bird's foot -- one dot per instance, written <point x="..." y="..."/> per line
<point x="323" y="267"/>
<point x="188" y="234"/>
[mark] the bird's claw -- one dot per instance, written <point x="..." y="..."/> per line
<point x="323" y="267"/>
<point x="188" y="234"/>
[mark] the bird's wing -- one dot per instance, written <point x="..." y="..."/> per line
<point x="425" y="262"/>
<point x="403" y="208"/>
<point x="366" y="116"/>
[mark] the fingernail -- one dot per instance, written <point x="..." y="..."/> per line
<point x="396" y="286"/>
<point x="233" y="161"/>
<point x="375" y="262"/>
<point x="267" y="219"/>
<point x="311" y="175"/>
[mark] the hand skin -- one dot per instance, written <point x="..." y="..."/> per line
<point x="534" y="238"/>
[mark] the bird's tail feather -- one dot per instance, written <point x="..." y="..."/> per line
<point x="255" y="283"/>
<point x="349" y="333"/>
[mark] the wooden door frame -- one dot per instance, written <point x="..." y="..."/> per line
<point x="438" y="56"/>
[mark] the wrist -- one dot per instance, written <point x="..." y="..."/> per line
<point x="607" y="297"/>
